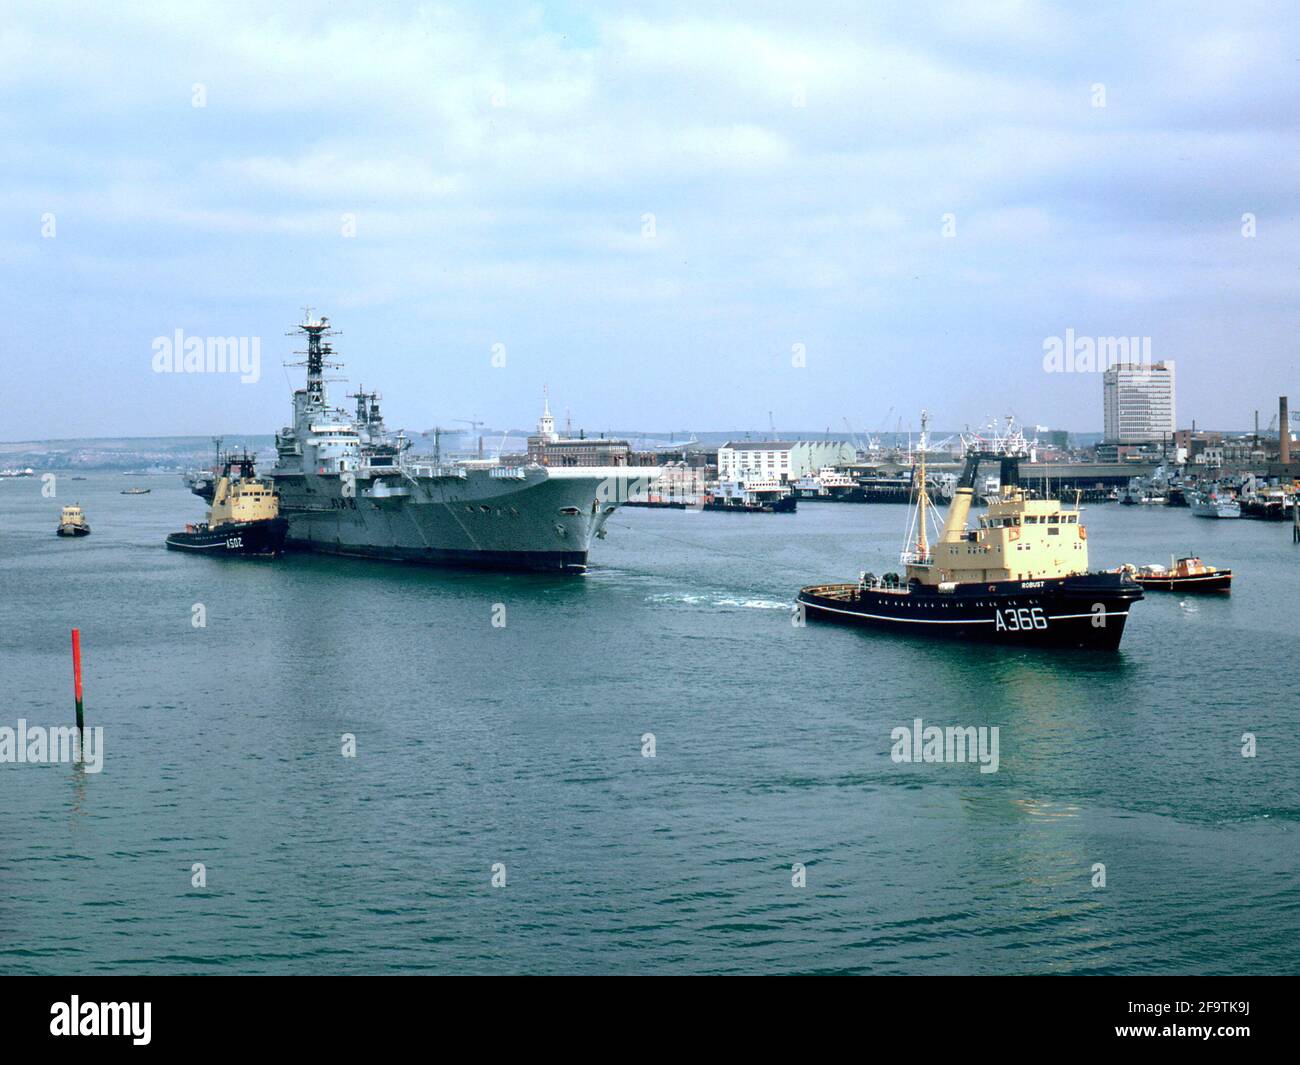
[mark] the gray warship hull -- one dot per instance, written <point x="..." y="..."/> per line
<point x="530" y="518"/>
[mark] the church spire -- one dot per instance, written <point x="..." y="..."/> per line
<point x="546" y="423"/>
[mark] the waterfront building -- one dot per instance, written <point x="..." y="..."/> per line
<point x="1138" y="402"/>
<point x="546" y="447"/>
<point x="786" y="460"/>
<point x="679" y="482"/>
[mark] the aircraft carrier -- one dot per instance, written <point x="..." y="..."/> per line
<point x="349" y="487"/>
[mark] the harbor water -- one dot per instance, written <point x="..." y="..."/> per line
<point x="500" y="813"/>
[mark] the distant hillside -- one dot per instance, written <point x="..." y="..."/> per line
<point x="167" y="452"/>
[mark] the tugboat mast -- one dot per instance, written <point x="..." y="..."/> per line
<point x="917" y="552"/>
<point x="922" y="548"/>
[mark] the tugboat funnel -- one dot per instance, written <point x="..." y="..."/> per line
<point x="958" y="511"/>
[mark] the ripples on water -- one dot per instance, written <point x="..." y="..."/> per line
<point x="521" y="745"/>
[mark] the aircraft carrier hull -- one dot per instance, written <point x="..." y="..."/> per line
<point x="527" y="561"/>
<point x="537" y="519"/>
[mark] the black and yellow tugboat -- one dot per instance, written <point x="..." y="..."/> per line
<point x="1021" y="577"/>
<point x="72" y="522"/>
<point x="244" y="518"/>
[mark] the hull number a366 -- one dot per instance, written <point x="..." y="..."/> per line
<point x="1020" y="619"/>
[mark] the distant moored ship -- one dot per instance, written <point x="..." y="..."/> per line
<point x="1209" y="503"/>
<point x="751" y="495"/>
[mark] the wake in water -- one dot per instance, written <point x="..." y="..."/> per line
<point x="722" y="603"/>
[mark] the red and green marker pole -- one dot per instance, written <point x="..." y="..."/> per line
<point x="76" y="678"/>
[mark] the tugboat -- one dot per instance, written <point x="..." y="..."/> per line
<point x="1188" y="574"/>
<point x="1021" y="577"/>
<point x="72" y="522"/>
<point x="244" y="518"/>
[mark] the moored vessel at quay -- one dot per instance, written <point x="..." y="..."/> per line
<point x="1212" y="502"/>
<point x="827" y="483"/>
<point x="1020" y="577"/>
<point x="751" y="495"/>
<point x="1270" y="503"/>
<point x="348" y="487"/>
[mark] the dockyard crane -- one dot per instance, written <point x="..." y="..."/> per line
<point x="853" y="436"/>
<point x="884" y="426"/>
<point x="475" y="425"/>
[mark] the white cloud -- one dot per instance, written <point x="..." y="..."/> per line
<point x="500" y="161"/>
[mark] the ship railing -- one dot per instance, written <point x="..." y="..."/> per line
<point x="915" y="558"/>
<point x="378" y="468"/>
<point x="418" y="469"/>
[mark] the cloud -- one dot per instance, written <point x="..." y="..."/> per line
<point x="500" y="164"/>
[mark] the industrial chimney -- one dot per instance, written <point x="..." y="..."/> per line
<point x="1283" y="430"/>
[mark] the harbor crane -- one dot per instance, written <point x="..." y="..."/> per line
<point x="474" y="425"/>
<point x="853" y="436"/>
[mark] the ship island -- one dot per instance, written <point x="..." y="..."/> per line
<point x="346" y="485"/>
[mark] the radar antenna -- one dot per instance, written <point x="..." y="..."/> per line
<point x="319" y="353"/>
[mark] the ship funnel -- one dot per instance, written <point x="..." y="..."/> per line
<point x="959" y="510"/>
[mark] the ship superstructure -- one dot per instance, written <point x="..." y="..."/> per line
<point x="348" y="486"/>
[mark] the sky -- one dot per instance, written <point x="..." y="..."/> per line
<point x="675" y="215"/>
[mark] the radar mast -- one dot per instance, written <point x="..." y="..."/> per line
<point x="319" y="354"/>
